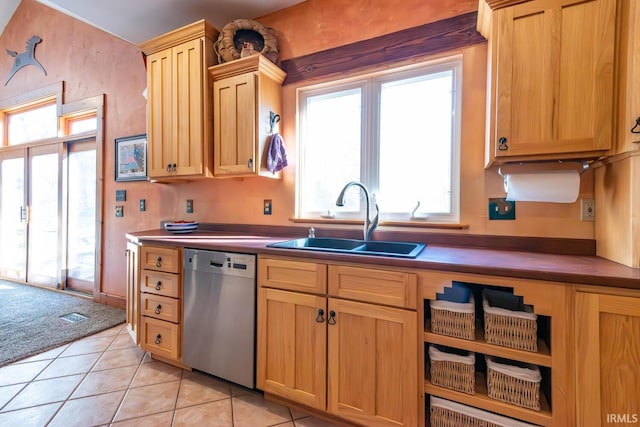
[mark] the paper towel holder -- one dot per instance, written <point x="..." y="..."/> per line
<point x="584" y="165"/>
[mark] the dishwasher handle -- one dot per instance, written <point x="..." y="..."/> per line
<point x="216" y="264"/>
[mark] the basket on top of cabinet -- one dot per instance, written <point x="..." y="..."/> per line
<point x="453" y="313"/>
<point x="508" y="321"/>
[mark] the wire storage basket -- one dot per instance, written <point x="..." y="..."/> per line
<point x="513" y="382"/>
<point x="445" y="413"/>
<point x="509" y="322"/>
<point x="452" y="368"/>
<point x="453" y="319"/>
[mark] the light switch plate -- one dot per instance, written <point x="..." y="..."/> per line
<point x="121" y="195"/>
<point x="119" y="211"/>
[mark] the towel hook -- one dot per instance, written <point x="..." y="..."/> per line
<point x="273" y="120"/>
<point x="636" y="127"/>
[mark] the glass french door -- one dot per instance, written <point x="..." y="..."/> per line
<point x="43" y="215"/>
<point x="13" y="212"/>
<point x="29" y="206"/>
<point x="80" y="216"/>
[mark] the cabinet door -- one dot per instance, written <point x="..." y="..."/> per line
<point x="607" y="359"/>
<point x="629" y="79"/>
<point x="372" y="364"/>
<point x="133" y="288"/>
<point x="187" y="115"/>
<point x="554" y="90"/>
<point x="292" y="346"/>
<point x="234" y="100"/>
<point x="159" y="111"/>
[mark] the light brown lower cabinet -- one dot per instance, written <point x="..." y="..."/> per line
<point x="353" y="360"/>
<point x="608" y="358"/>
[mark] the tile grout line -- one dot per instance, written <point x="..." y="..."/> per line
<point x="83" y="378"/>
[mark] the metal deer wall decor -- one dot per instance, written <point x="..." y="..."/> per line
<point x="25" y="58"/>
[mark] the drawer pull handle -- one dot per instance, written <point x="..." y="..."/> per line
<point x="320" y="317"/>
<point x="158" y="339"/>
<point x="158" y="285"/>
<point x="158" y="308"/>
<point x="332" y="318"/>
<point x="159" y="262"/>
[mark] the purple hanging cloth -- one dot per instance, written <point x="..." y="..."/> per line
<point x="277" y="154"/>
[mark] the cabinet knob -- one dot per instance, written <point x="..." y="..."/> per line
<point x="158" y="308"/>
<point x="173" y="167"/>
<point x="158" y="285"/>
<point x="158" y="339"/>
<point x="159" y="262"/>
<point x="320" y="317"/>
<point x="168" y="167"/>
<point x="502" y="144"/>
<point x="250" y="163"/>
<point x="332" y="318"/>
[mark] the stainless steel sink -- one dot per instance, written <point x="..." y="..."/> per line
<point x="352" y="246"/>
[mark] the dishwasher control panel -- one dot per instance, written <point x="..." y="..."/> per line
<point x="220" y="262"/>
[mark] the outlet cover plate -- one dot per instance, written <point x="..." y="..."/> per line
<point x="189" y="206"/>
<point x="143" y="205"/>
<point x="119" y="211"/>
<point x="500" y="208"/>
<point x="267" y="207"/>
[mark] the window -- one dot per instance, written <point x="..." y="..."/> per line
<point x="20" y="123"/>
<point x="398" y="133"/>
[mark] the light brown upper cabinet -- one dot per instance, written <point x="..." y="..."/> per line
<point x="550" y="84"/>
<point x="247" y="97"/>
<point x="179" y="103"/>
<point x="628" y="117"/>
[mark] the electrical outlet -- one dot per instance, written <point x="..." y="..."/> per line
<point x="500" y="208"/>
<point x="143" y="205"/>
<point x="266" y="210"/>
<point x="189" y="206"/>
<point x="121" y="195"/>
<point x="587" y="210"/>
<point x="119" y="211"/>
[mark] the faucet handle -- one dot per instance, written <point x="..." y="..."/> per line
<point x="312" y="232"/>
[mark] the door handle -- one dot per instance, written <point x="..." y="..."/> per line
<point x="24" y="213"/>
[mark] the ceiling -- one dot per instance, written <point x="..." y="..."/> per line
<point x="139" y="20"/>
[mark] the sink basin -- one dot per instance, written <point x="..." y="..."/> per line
<point x="410" y="250"/>
<point x="319" y="243"/>
<point x="352" y="246"/>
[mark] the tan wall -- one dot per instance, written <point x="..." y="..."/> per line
<point x="92" y="62"/>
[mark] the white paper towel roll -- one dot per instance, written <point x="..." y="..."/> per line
<point x="559" y="186"/>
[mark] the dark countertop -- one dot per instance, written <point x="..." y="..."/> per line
<point x="580" y="269"/>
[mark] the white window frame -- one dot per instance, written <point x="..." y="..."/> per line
<point x="370" y="85"/>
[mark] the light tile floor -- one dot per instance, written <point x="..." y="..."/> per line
<point x="105" y="380"/>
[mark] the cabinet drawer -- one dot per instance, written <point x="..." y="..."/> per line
<point x="160" y="337"/>
<point x="161" y="259"/>
<point x="386" y="287"/>
<point x="292" y="275"/>
<point x="155" y="282"/>
<point x="160" y="307"/>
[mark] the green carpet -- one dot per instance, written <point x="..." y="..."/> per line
<point x="30" y="320"/>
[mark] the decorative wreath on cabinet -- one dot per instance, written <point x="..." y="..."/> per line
<point x="235" y="36"/>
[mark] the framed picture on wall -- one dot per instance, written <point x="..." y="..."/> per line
<point x="131" y="158"/>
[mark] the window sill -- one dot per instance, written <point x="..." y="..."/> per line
<point x="410" y="224"/>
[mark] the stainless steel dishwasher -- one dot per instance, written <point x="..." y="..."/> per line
<point x="219" y="314"/>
